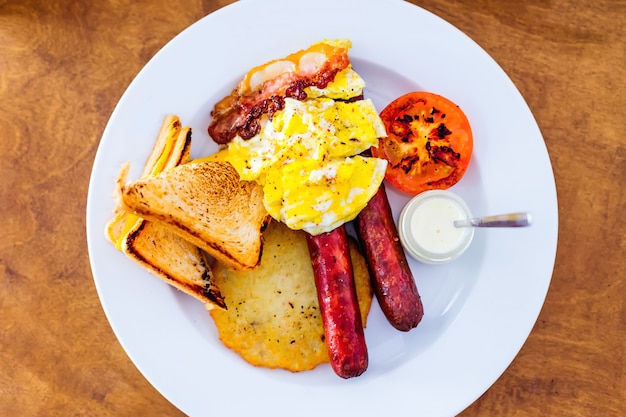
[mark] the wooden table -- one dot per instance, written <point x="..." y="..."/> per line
<point x="64" y="65"/>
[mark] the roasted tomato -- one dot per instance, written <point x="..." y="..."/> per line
<point x="429" y="142"/>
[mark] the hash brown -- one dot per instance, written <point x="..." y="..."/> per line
<point x="272" y="317"/>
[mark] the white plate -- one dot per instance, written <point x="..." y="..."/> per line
<point x="479" y="309"/>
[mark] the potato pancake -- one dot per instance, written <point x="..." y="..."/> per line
<point x="273" y="318"/>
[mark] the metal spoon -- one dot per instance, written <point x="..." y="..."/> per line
<point x="501" y="220"/>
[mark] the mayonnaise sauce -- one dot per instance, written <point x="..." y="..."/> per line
<point x="427" y="229"/>
<point x="432" y="225"/>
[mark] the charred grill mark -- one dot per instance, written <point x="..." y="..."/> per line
<point x="442" y="131"/>
<point x="211" y="292"/>
<point x="132" y="236"/>
<point x="400" y="129"/>
<point x="407" y="163"/>
<point x="214" y="296"/>
<point x="186" y="147"/>
<point x="445" y="155"/>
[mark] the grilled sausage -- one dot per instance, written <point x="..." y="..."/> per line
<point x="336" y="291"/>
<point x="392" y="278"/>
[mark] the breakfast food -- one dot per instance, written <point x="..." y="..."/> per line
<point x="305" y="151"/>
<point x="171" y="148"/>
<point x="429" y="143"/>
<point x="177" y="261"/>
<point x="154" y="246"/>
<point x="297" y="126"/>
<point x="297" y="144"/>
<point x="334" y="280"/>
<point x="262" y="90"/>
<point x="208" y="205"/>
<point x="392" y="279"/>
<point x="273" y="317"/>
<point x="307" y="160"/>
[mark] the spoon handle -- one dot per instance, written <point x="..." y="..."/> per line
<point x="501" y="220"/>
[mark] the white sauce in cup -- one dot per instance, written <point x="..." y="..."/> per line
<point x="427" y="230"/>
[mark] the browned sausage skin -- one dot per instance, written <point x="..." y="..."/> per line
<point x="392" y="278"/>
<point x="336" y="291"/>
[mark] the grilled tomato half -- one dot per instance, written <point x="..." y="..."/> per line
<point x="428" y="145"/>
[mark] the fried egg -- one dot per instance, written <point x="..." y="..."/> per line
<point x="318" y="197"/>
<point x="307" y="159"/>
<point x="347" y="84"/>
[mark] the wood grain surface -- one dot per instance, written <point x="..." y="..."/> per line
<point x="65" y="64"/>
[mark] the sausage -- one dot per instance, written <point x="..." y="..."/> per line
<point x="392" y="279"/>
<point x="336" y="292"/>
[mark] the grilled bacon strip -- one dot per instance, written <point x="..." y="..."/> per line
<point x="239" y="113"/>
<point x="341" y="318"/>
<point x="392" y="279"/>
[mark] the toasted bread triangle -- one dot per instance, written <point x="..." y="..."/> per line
<point x="208" y="205"/>
<point x="153" y="245"/>
<point x="173" y="259"/>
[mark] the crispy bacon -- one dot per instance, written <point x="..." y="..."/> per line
<point x="239" y="113"/>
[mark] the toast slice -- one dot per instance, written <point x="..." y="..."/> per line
<point x="154" y="246"/>
<point x="172" y="147"/>
<point x="173" y="259"/>
<point x="208" y="205"/>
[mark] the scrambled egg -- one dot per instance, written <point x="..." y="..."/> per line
<point x="307" y="157"/>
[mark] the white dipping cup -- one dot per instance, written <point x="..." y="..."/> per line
<point x="426" y="227"/>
